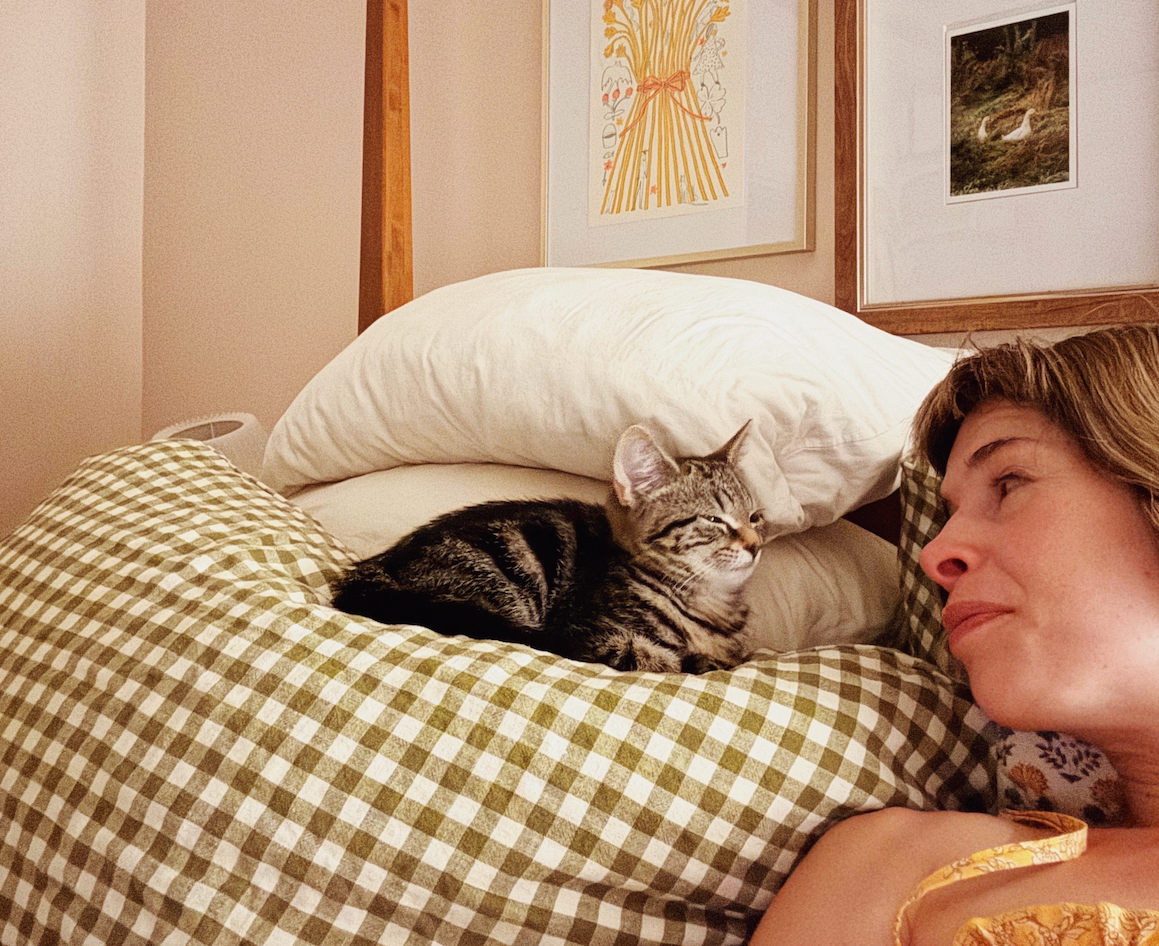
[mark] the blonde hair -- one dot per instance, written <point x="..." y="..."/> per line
<point x="1102" y="388"/>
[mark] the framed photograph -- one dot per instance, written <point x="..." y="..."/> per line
<point x="1009" y="128"/>
<point x="677" y="131"/>
<point x="996" y="163"/>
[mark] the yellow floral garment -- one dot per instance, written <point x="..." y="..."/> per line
<point x="1063" y="924"/>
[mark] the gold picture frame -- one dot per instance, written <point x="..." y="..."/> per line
<point x="1058" y="307"/>
<point x="596" y="75"/>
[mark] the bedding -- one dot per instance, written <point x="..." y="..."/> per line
<point x="196" y="748"/>
<point x="834" y="584"/>
<point x="545" y="368"/>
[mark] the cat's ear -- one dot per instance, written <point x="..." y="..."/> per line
<point x="731" y="450"/>
<point x="640" y="466"/>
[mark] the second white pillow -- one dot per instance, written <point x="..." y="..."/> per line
<point x="835" y="584"/>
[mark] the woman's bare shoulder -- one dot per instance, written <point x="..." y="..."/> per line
<point x="911" y="844"/>
<point x="857" y="875"/>
<point x="931" y="839"/>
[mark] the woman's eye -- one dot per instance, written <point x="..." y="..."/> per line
<point x="1006" y="482"/>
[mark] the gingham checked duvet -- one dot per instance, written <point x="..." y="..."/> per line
<point x="194" y="748"/>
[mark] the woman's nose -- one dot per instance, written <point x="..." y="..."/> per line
<point x="943" y="559"/>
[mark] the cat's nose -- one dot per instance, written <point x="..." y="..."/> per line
<point x="749" y="539"/>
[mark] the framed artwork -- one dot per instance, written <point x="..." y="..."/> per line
<point x="677" y="130"/>
<point x="996" y="164"/>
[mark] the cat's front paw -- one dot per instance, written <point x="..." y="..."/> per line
<point x="702" y="663"/>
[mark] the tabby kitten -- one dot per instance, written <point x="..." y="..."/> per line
<point x="653" y="581"/>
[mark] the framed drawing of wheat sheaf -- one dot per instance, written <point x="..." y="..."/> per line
<point x="997" y="163"/>
<point x="677" y="130"/>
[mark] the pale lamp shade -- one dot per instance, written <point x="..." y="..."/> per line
<point x="240" y="438"/>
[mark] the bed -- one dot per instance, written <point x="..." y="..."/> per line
<point x="196" y="748"/>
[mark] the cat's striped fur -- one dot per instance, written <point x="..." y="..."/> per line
<point x="653" y="581"/>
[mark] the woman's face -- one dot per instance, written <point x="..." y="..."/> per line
<point x="1052" y="570"/>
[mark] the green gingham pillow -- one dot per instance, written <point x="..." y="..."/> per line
<point x="1035" y="770"/>
<point x="922" y="516"/>
<point x="195" y="748"/>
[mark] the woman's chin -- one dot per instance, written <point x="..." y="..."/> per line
<point x="1012" y="705"/>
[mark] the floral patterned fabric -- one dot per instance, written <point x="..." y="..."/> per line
<point x="1057" y="772"/>
<point x="1062" y="924"/>
<point x="1065" y="924"/>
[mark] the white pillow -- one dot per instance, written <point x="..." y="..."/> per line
<point x="547" y="367"/>
<point x="836" y="584"/>
<point x="369" y="513"/>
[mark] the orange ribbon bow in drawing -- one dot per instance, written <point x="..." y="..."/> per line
<point x="652" y="86"/>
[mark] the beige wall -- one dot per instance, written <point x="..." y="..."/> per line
<point x="253" y="169"/>
<point x="72" y="78"/>
<point x="476" y="73"/>
<point x="180" y="201"/>
<point x="250" y="118"/>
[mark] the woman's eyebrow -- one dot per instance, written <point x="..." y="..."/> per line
<point x="987" y="450"/>
<point x="980" y="455"/>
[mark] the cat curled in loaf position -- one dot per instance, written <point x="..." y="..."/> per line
<point x="654" y="580"/>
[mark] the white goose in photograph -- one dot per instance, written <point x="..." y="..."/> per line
<point x="1022" y="131"/>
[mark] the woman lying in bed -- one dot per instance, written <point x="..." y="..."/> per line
<point x="1050" y="559"/>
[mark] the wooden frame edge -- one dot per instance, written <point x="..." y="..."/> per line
<point x="386" y="274"/>
<point x="1049" y="309"/>
<point x="805" y="237"/>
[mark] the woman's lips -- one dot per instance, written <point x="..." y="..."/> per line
<point x="962" y="617"/>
